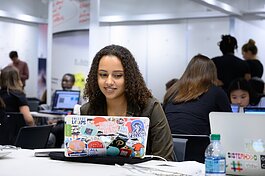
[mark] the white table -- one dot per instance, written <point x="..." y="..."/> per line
<point x="22" y="162"/>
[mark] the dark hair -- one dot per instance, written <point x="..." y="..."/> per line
<point x="13" y="54"/>
<point x="71" y="76"/>
<point x="170" y="83"/>
<point x="228" y="44"/>
<point x="198" y="77"/>
<point x="250" y="46"/>
<point x="136" y="91"/>
<point x="243" y="84"/>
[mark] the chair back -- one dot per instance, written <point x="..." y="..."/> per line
<point x="11" y="122"/>
<point x="179" y="148"/>
<point x="195" y="146"/>
<point x="33" y="104"/>
<point x="33" y="137"/>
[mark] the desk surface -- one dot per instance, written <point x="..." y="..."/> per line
<point x="37" y="114"/>
<point x="23" y="162"/>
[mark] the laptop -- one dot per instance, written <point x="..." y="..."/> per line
<point x="63" y="102"/>
<point x="243" y="140"/>
<point x="254" y="110"/>
<point x="105" y="136"/>
<point x="235" y="108"/>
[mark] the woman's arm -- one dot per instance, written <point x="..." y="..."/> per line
<point x="27" y="116"/>
<point x="161" y="143"/>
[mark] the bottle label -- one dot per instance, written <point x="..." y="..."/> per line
<point x="215" y="165"/>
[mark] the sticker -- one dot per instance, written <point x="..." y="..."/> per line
<point x="236" y="166"/>
<point x="242" y="156"/>
<point x="89" y="130"/>
<point x="113" y="151"/>
<point x="77" y="146"/>
<point x="262" y="161"/>
<point x="137" y="129"/>
<point x="95" y="144"/>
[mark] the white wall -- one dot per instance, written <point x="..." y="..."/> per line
<point x="24" y="38"/>
<point x="70" y="55"/>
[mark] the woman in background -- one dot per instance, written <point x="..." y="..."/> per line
<point x="249" y="52"/>
<point x="187" y="103"/>
<point x="115" y="87"/>
<point x="12" y="93"/>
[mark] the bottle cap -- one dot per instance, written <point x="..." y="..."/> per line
<point x="215" y="136"/>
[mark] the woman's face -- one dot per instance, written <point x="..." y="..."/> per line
<point x="111" y="79"/>
<point x="247" y="55"/>
<point x="240" y="97"/>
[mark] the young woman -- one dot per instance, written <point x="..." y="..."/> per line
<point x="187" y="103"/>
<point x="241" y="93"/>
<point x="12" y="93"/>
<point x="115" y="87"/>
<point x="249" y="52"/>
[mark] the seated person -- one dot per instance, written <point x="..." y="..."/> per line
<point x="240" y="92"/>
<point x="115" y="87"/>
<point x="67" y="83"/>
<point x="187" y="103"/>
<point x="12" y="93"/>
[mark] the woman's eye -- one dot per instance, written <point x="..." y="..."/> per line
<point x="117" y="76"/>
<point x="103" y="75"/>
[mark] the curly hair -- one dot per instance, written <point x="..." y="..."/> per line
<point x="136" y="91"/>
<point x="228" y="44"/>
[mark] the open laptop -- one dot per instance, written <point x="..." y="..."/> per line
<point x="235" y="107"/>
<point x="243" y="140"/>
<point x="254" y="110"/>
<point x="105" y="136"/>
<point x="63" y="102"/>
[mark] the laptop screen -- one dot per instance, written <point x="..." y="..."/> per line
<point x="254" y="110"/>
<point x="235" y="107"/>
<point x="65" y="100"/>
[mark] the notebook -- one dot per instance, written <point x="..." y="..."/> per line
<point x="63" y="102"/>
<point x="243" y="140"/>
<point x="105" y="136"/>
<point x="254" y="110"/>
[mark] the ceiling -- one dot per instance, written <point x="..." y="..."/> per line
<point x="148" y="10"/>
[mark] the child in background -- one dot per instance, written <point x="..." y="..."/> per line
<point x="240" y="92"/>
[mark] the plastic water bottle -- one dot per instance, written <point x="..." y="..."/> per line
<point x="215" y="158"/>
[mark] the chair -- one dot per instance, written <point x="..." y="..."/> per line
<point x="195" y="146"/>
<point x="180" y="148"/>
<point x="11" y="122"/>
<point x="33" y="104"/>
<point x="33" y="137"/>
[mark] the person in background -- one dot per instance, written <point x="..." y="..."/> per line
<point x="170" y="83"/>
<point x="21" y="66"/>
<point x="68" y="81"/>
<point x="240" y="92"/>
<point x="229" y="67"/>
<point x="12" y="93"/>
<point x="115" y="87"/>
<point x="187" y="103"/>
<point x="249" y="52"/>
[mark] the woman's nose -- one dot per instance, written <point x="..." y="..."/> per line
<point x="109" y="80"/>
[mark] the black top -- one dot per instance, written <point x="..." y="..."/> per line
<point x="13" y="100"/>
<point x="193" y="117"/>
<point x="230" y="67"/>
<point x="256" y="68"/>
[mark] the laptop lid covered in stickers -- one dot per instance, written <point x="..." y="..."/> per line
<point x="243" y="140"/>
<point x="105" y="136"/>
